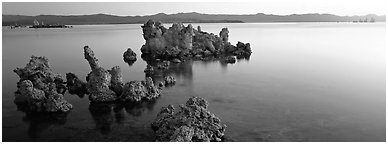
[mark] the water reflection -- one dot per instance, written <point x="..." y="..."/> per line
<point x="39" y="122"/>
<point x="130" y="63"/>
<point x="106" y="114"/>
<point x="182" y="70"/>
<point x="80" y="94"/>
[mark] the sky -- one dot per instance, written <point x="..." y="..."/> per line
<point x="277" y="7"/>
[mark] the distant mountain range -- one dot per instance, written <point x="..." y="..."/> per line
<point x="182" y="17"/>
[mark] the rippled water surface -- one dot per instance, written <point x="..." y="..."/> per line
<point x="303" y="82"/>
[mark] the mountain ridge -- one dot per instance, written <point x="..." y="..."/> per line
<point x="190" y="17"/>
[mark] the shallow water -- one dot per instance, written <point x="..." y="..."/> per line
<point x="303" y="82"/>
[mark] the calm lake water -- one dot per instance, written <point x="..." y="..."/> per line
<point x="303" y="82"/>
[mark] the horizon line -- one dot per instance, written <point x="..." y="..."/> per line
<point x="185" y="13"/>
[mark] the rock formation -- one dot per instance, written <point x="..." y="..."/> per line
<point x="98" y="80"/>
<point x="136" y="91"/>
<point x="89" y="56"/>
<point x="129" y="56"/>
<point x="116" y="80"/>
<point x="107" y="85"/>
<point x="169" y="80"/>
<point x="229" y="59"/>
<point x="179" y="43"/>
<point x="224" y="34"/>
<point x="149" y="70"/>
<point x="166" y="42"/>
<point x="191" y="123"/>
<point x="176" y="60"/>
<point x="75" y="85"/>
<point x="242" y="50"/>
<point x="163" y="65"/>
<point x="39" y="89"/>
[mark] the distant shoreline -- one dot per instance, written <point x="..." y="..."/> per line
<point x="212" y="23"/>
<point x="101" y="24"/>
<point x="9" y="20"/>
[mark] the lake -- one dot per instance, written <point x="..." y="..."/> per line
<point x="303" y="82"/>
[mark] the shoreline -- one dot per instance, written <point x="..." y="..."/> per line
<point x="113" y="24"/>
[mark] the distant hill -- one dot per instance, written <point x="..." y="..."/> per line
<point x="181" y="17"/>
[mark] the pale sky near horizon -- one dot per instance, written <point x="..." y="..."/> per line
<point x="277" y="7"/>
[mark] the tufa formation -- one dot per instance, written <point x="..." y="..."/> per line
<point x="39" y="88"/>
<point x="180" y="42"/>
<point x="191" y="123"/>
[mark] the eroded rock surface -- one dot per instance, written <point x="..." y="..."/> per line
<point x="39" y="88"/>
<point x="55" y="101"/>
<point x="98" y="86"/>
<point x="166" y="42"/>
<point x="99" y="80"/>
<point x="191" y="123"/>
<point x="107" y="85"/>
<point x="149" y="69"/>
<point x="179" y="43"/>
<point x="163" y="65"/>
<point x="117" y="82"/>
<point x="136" y="91"/>
<point x="229" y="59"/>
<point x="89" y="56"/>
<point x="169" y="80"/>
<point x="75" y="85"/>
<point x="129" y="56"/>
<point x="224" y="34"/>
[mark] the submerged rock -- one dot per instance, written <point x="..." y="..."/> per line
<point x="39" y="89"/>
<point x="129" y="56"/>
<point x="191" y="123"/>
<point x="180" y="42"/>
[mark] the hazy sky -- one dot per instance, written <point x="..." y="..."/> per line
<point x="279" y="7"/>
